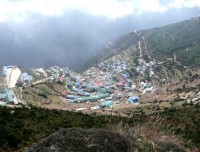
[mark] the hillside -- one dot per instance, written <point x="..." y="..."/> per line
<point x="147" y="129"/>
<point x="182" y="39"/>
<point x="166" y="57"/>
<point x="82" y="140"/>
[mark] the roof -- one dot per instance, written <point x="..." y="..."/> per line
<point x="133" y="99"/>
<point x="107" y="104"/>
<point x="9" y="95"/>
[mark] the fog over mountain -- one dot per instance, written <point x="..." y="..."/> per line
<point x="71" y="38"/>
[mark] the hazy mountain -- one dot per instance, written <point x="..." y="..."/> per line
<point x="69" y="39"/>
<point x="178" y="40"/>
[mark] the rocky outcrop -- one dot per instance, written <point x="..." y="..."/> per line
<point x="82" y="140"/>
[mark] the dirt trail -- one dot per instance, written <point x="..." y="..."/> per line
<point x="140" y="49"/>
<point x="39" y="81"/>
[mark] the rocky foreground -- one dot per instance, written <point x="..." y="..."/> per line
<point x="82" y="140"/>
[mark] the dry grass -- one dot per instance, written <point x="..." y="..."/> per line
<point x="151" y="136"/>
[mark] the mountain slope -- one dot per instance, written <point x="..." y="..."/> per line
<point x="175" y="128"/>
<point x="181" y="39"/>
<point x="167" y="57"/>
<point x="176" y="36"/>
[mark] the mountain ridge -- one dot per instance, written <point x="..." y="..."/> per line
<point x="162" y="41"/>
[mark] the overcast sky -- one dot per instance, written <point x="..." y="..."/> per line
<point x="19" y="10"/>
<point x="38" y="33"/>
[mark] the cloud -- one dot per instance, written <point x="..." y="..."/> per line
<point x="18" y="10"/>
<point x="70" y="38"/>
<point x="184" y="3"/>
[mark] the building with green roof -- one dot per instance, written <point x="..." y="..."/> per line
<point x="8" y="96"/>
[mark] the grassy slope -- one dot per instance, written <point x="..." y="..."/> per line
<point x="43" y="94"/>
<point x="190" y="56"/>
<point x="182" y="38"/>
<point x="176" y="36"/>
<point x="21" y="127"/>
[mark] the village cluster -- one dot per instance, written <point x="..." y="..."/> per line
<point x="105" y="84"/>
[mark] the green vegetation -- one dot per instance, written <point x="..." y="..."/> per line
<point x="190" y="56"/>
<point x="176" y="36"/>
<point x="185" y="122"/>
<point x="21" y="127"/>
<point x="181" y="38"/>
<point x="43" y="93"/>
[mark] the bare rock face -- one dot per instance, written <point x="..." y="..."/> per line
<point x="82" y="140"/>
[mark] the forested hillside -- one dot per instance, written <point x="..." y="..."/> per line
<point x="21" y="127"/>
<point x="175" y="37"/>
<point x="181" y="39"/>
